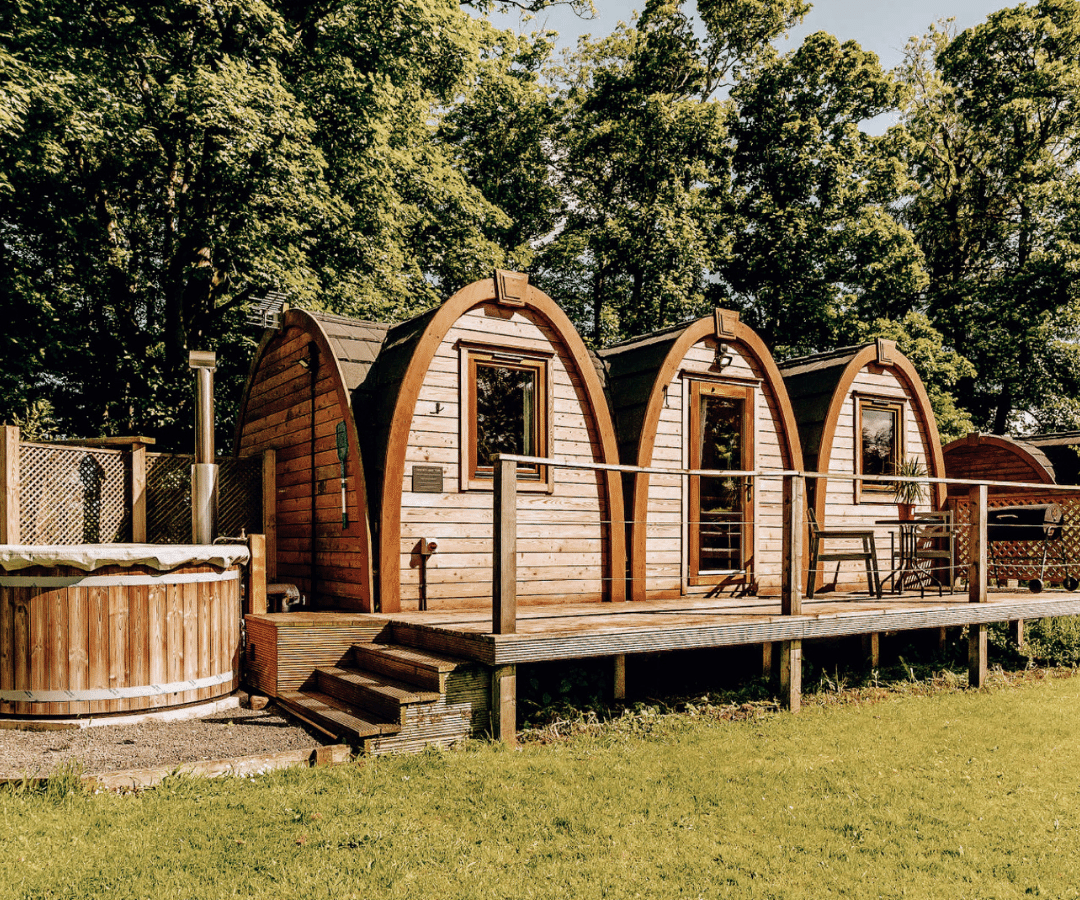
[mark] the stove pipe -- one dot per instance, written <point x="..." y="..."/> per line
<point x="204" y="473"/>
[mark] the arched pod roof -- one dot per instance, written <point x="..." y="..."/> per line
<point x="819" y="385"/>
<point x="639" y="372"/>
<point x="385" y="402"/>
<point x="995" y="457"/>
<point x="1063" y="450"/>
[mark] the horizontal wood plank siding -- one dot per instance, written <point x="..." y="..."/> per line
<point x="560" y="534"/>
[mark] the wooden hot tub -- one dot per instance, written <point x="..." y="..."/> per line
<point x="96" y="629"/>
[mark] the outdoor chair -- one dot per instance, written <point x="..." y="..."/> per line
<point x="932" y="549"/>
<point x="820" y="553"/>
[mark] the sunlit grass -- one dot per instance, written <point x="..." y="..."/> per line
<point x="953" y="794"/>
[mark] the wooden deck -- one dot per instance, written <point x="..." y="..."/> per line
<point x="576" y="631"/>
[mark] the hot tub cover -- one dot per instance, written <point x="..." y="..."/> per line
<point x="90" y="557"/>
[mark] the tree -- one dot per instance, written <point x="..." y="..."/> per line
<point x="178" y="157"/>
<point x="639" y="155"/>
<point x="994" y="115"/>
<point x="817" y="246"/>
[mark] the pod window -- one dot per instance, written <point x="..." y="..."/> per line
<point x="879" y="443"/>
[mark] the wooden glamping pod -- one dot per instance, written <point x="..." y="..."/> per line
<point x="862" y="411"/>
<point x="703" y="396"/>
<point x="496" y="368"/>
<point x="297" y="403"/>
<point x="91" y="629"/>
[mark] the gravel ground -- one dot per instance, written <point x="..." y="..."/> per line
<point x="117" y="748"/>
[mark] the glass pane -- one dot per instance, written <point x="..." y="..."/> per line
<point x="505" y="411"/>
<point x="878" y="441"/>
<point x="720" y="513"/>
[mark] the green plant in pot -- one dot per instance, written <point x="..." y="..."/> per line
<point x="908" y="493"/>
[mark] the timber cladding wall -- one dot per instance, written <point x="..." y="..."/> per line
<point x="295" y="401"/>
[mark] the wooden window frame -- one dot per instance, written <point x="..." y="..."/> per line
<point x="870" y="492"/>
<point x="530" y="478"/>
<point x="738" y="391"/>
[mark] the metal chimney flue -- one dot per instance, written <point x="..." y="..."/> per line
<point x="204" y="473"/>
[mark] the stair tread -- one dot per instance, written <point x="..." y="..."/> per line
<point x="329" y="709"/>
<point x="411" y="655"/>
<point x="401" y="691"/>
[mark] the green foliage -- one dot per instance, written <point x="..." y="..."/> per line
<point x="1047" y="642"/>
<point x="816" y="246"/>
<point x="994" y="119"/>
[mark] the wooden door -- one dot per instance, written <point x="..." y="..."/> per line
<point x="721" y="509"/>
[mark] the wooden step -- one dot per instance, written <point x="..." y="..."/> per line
<point x="386" y="698"/>
<point x="332" y="715"/>
<point x="425" y="670"/>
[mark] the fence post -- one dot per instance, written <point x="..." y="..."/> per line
<point x="269" y="511"/>
<point x="9" y="485"/>
<point x="977" y="584"/>
<point x="504" y="550"/>
<point x="138" y="493"/>
<point x="791" y="578"/>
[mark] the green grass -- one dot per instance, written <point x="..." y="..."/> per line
<point x="953" y="795"/>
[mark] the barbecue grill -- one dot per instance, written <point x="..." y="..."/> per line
<point x="1030" y="537"/>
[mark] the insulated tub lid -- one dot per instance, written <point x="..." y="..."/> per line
<point x="89" y="557"/>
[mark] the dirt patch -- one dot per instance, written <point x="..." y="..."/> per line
<point x="115" y="748"/>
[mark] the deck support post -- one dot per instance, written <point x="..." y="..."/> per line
<point x="504" y="704"/>
<point x="9" y="484"/>
<point x="1016" y="632"/>
<point x="791" y="548"/>
<point x="769" y="650"/>
<point x="871" y="644"/>
<point x="504" y="549"/>
<point x="977" y="653"/>
<point x="618" y="691"/>
<point x="791" y="675"/>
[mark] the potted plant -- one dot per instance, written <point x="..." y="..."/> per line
<point x="907" y="493"/>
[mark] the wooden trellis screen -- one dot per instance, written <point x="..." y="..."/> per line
<point x="1024" y="551"/>
<point x="63" y="494"/>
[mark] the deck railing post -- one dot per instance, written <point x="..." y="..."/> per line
<point x="9" y="484"/>
<point x="791" y="586"/>
<point x="977" y="584"/>
<point x="138" y="494"/>
<point x="504" y="551"/>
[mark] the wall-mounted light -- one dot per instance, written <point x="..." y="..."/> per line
<point x="723" y="356"/>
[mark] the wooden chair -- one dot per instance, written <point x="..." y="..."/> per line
<point x="820" y="554"/>
<point x="932" y="550"/>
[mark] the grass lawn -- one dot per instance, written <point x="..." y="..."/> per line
<point x="953" y="795"/>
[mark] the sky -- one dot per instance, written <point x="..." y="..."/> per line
<point x="881" y="27"/>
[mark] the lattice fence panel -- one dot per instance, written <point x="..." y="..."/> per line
<point x="1063" y="556"/>
<point x="239" y="496"/>
<point x="72" y="495"/>
<point x="168" y="498"/>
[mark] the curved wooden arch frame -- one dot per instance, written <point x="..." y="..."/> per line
<point x="903" y="365"/>
<point x="692" y="334"/>
<point x="1004" y="443"/>
<point x="424" y="352"/>
<point x="298" y="318"/>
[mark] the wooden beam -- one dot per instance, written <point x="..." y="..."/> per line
<point x="504" y="704"/>
<point x="9" y="484"/>
<point x="269" y="511"/>
<point x="257" y="574"/>
<point x="977" y="652"/>
<point x="791" y="575"/>
<point x="791" y="675"/>
<point x="977" y="544"/>
<point x="1016" y="633"/>
<point x="504" y="551"/>
<point x="871" y="644"/>
<point x="138" y="494"/>
<point x="619" y="685"/>
<point x="768" y="664"/>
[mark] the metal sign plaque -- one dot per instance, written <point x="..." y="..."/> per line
<point x="342" y="442"/>
<point x="427" y="479"/>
